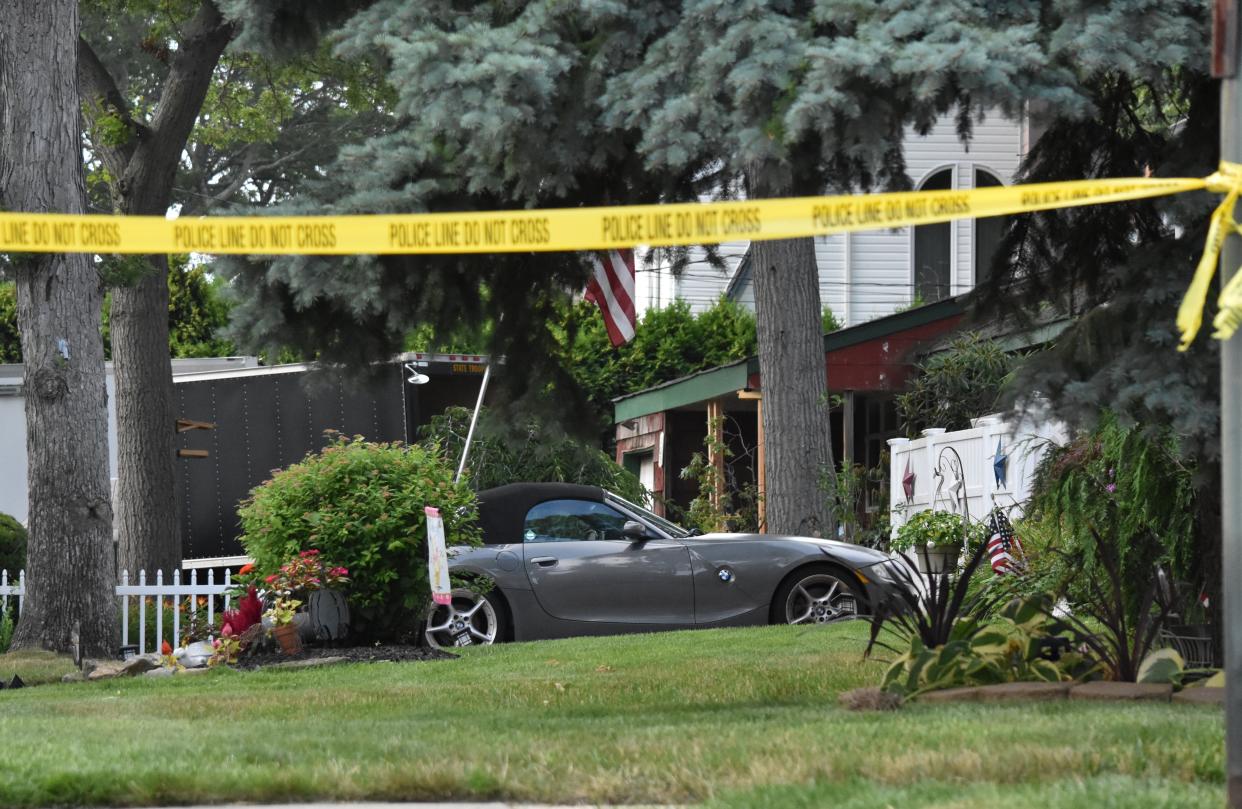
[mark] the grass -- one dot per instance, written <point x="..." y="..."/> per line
<point x="733" y="717"/>
<point x="35" y="666"/>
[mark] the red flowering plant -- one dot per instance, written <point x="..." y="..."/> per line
<point x="305" y="572"/>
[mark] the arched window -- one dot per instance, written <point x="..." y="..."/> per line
<point x="988" y="230"/>
<point x="933" y="248"/>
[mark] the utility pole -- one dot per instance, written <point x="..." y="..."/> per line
<point x="1225" y="66"/>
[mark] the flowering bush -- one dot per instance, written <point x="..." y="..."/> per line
<point x="361" y="505"/>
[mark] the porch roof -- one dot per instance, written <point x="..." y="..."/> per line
<point x="728" y="379"/>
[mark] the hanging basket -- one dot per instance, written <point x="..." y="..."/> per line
<point x="937" y="559"/>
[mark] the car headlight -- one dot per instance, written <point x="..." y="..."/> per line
<point x="886" y="571"/>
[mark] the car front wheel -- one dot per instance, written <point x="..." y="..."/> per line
<point x="815" y="596"/>
<point x="470" y="619"/>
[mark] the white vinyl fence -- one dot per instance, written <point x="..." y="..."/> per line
<point x="187" y="601"/>
<point x="939" y="481"/>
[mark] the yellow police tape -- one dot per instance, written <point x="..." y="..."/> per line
<point x="563" y="229"/>
<point x="574" y="229"/>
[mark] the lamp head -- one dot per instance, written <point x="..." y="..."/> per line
<point x="416" y="377"/>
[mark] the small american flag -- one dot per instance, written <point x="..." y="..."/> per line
<point x="611" y="288"/>
<point x="1004" y="547"/>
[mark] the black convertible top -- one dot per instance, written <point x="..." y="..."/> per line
<point x="503" y="509"/>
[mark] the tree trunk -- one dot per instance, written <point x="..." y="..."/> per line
<point x="797" y="443"/>
<point x="145" y="165"/>
<point x="69" y="576"/>
<point x="147" y="524"/>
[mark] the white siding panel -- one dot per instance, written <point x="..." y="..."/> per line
<point x="830" y="258"/>
<point x="880" y="273"/>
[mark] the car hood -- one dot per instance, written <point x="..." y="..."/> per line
<point x="846" y="551"/>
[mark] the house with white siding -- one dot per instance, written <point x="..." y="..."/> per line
<point x="895" y="291"/>
<point x="869" y="274"/>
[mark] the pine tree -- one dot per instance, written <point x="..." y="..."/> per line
<point x="543" y="103"/>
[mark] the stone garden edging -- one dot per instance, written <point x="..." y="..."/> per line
<point x="1100" y="691"/>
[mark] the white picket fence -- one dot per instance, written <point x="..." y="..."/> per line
<point x="177" y="593"/>
<point x="1023" y="444"/>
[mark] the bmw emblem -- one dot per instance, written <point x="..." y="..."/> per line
<point x="725" y="574"/>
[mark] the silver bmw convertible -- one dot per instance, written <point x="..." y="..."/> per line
<point x="569" y="560"/>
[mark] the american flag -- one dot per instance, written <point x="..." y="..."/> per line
<point x="611" y="288"/>
<point x="1004" y="547"/>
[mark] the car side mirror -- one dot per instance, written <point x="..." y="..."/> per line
<point x="634" y="530"/>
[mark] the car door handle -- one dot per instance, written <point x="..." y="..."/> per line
<point x="544" y="561"/>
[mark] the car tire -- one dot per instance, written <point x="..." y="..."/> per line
<point x="470" y="619"/>
<point x="818" y="594"/>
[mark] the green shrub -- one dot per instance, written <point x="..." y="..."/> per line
<point x="1113" y="507"/>
<point x="361" y="504"/>
<point x="955" y="385"/>
<point x="12" y="546"/>
<point x="6" y="628"/>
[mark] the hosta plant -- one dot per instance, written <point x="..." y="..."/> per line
<point x="1021" y="644"/>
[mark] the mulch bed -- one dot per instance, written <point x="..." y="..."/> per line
<point x="353" y="654"/>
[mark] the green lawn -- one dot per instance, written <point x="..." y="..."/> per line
<point x="730" y="717"/>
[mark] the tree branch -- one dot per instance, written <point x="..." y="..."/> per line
<point x="98" y="86"/>
<point x="181" y="99"/>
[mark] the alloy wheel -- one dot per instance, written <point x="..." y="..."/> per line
<point x="819" y="599"/>
<point x="468" y="620"/>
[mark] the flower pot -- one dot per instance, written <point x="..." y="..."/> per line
<point x="301" y="620"/>
<point x="289" y="638"/>
<point x="327" y="615"/>
<point x="937" y="559"/>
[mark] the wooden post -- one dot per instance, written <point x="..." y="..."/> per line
<point x="715" y="431"/>
<point x="760" y="461"/>
<point x="1225" y="66"/>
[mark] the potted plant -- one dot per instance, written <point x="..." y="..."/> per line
<point x="936" y="537"/>
<point x="281" y="615"/>
<point x="303" y="576"/>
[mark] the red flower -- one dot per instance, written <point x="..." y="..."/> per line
<point x="226" y="630"/>
<point x="245" y="569"/>
<point x="340" y="571"/>
<point x="165" y="648"/>
<point x="270" y="579"/>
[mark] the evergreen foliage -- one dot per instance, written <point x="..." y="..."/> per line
<point x="531" y="450"/>
<point x="953" y="386"/>
<point x="1120" y="491"/>
<point x="1120" y="271"/>
<point x="550" y="104"/>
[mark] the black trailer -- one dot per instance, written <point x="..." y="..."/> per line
<point x="239" y="426"/>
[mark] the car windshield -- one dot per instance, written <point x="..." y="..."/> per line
<point x="672" y="529"/>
